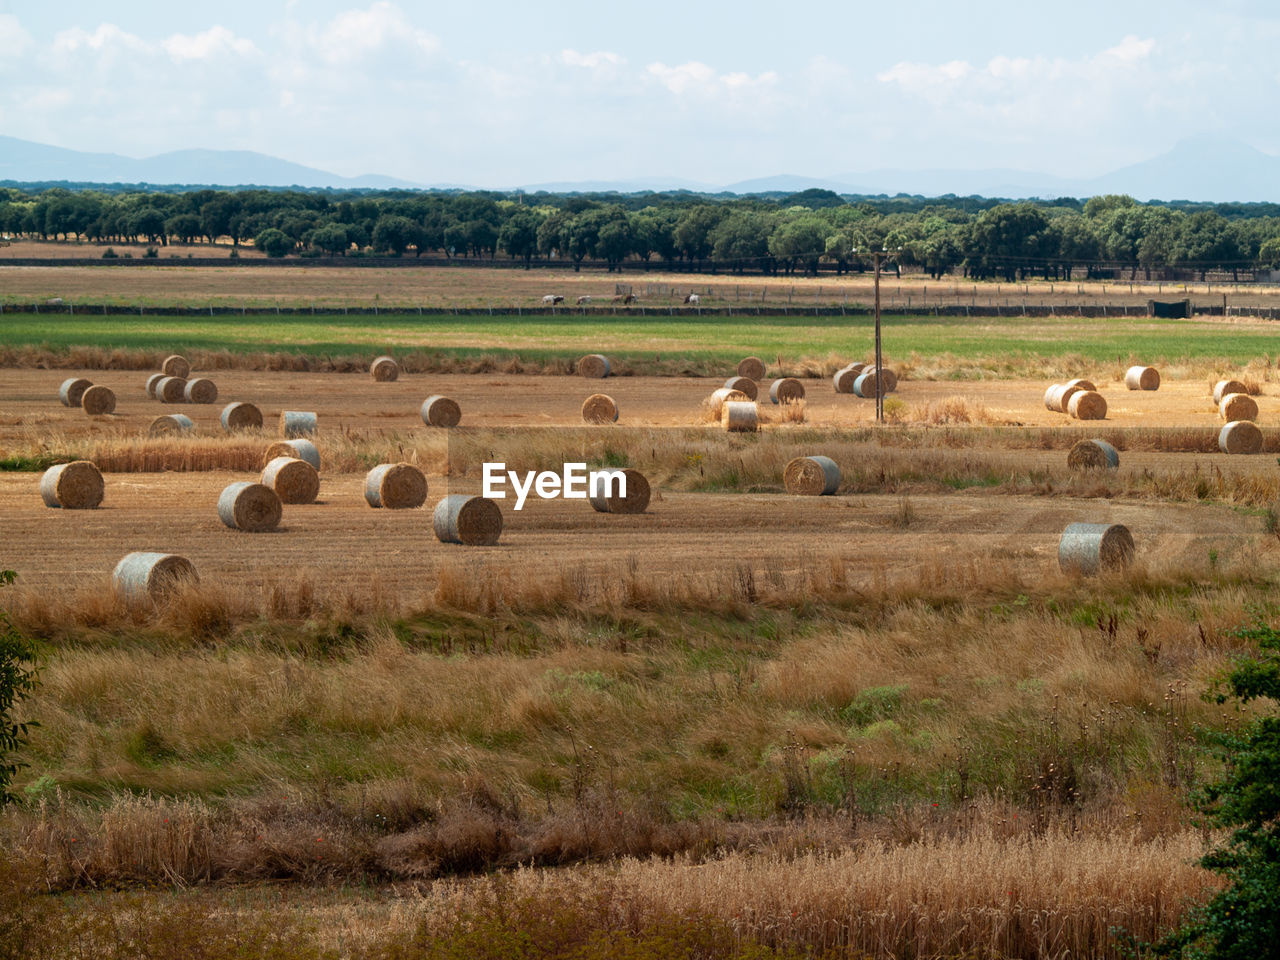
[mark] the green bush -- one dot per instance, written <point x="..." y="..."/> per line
<point x="1243" y="921"/>
<point x="17" y="681"/>
<point x="273" y="242"/>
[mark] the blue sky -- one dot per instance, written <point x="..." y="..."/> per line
<point x="501" y="93"/>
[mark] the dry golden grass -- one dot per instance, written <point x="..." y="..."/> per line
<point x="1056" y="896"/>
<point x="906" y="457"/>
<point x="511" y="680"/>
<point x="992" y="892"/>
<point x="958" y="760"/>
<point x="955" y="409"/>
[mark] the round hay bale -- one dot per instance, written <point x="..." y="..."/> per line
<point x="1062" y="395"/>
<point x="1093" y="455"/>
<point x="171" y="425"/>
<point x="610" y="499"/>
<point x="251" y="507"/>
<point x="1233" y="406"/>
<point x="719" y="397"/>
<point x="440" y="411"/>
<point x="1224" y="387"/>
<point x="1142" y="378"/>
<point x="1241" y="436"/>
<point x="786" y="390"/>
<point x="241" y="416"/>
<point x="462" y="518"/>
<point x="200" y="390"/>
<point x="149" y="577"/>
<point x="152" y="381"/>
<point x="297" y="423"/>
<point x="176" y="366"/>
<point x="384" y="369"/>
<point x="743" y="385"/>
<point x="599" y="408"/>
<point x="293" y="480"/>
<point x="72" y="390"/>
<point x="396" y="486"/>
<point x="724" y="394"/>
<point x="98" y="400"/>
<point x="1050" y="397"/>
<point x="593" y="366"/>
<point x="867" y="384"/>
<point x="171" y="390"/>
<point x="1082" y="384"/>
<point x="302" y="449"/>
<point x="74" y="486"/>
<point x="739" y="417"/>
<point x="845" y="378"/>
<point x="889" y="378"/>
<point x="1087" y="405"/>
<point x="815" y="476"/>
<point x="752" y="368"/>
<point x="1087" y="548"/>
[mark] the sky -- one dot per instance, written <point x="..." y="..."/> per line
<point x="497" y="94"/>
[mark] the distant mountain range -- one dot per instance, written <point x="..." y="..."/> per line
<point x="25" y="161"/>
<point x="1195" y="169"/>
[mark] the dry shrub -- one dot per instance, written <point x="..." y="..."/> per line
<point x="904" y="515"/>
<point x="293" y="599"/>
<point x="955" y="409"/>
<point x="1252" y="387"/>
<point x="895" y="409"/>
<point x="791" y="412"/>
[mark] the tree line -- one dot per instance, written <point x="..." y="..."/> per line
<point x="772" y="234"/>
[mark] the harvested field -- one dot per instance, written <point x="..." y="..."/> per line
<point x="343" y="544"/>
<point x="162" y="283"/>
<point x="354" y="402"/>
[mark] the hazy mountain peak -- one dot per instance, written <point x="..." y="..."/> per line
<point x="1199" y="167"/>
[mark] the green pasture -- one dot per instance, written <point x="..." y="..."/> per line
<point x="995" y="344"/>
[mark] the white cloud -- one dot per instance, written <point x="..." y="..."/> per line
<point x="698" y="78"/>
<point x="1011" y="76"/>
<point x="924" y="78"/>
<point x="14" y="39"/>
<point x="215" y="42"/>
<point x="107" y="38"/>
<point x="356" y="34"/>
<point x="1131" y="49"/>
<point x="691" y="75"/>
<point x="592" y="61"/>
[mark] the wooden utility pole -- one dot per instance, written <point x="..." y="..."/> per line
<point x="879" y="356"/>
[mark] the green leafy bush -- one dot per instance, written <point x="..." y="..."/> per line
<point x="17" y="680"/>
<point x="1243" y="921"/>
